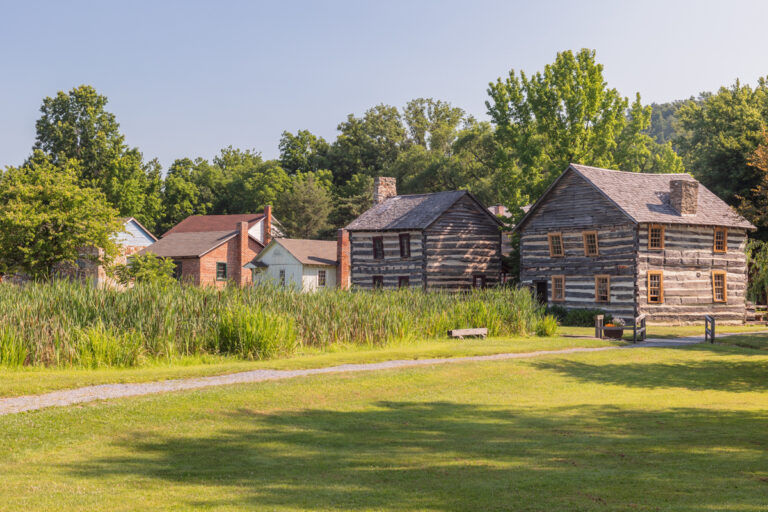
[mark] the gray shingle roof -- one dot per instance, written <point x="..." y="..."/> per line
<point x="188" y="245"/>
<point x="645" y="198"/>
<point x="415" y="211"/>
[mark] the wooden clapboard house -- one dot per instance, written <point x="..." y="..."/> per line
<point x="443" y="240"/>
<point x="630" y="244"/>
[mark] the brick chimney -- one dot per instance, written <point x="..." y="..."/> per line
<point x="343" y="259"/>
<point x="242" y="275"/>
<point x="684" y="196"/>
<point x="383" y="189"/>
<point x="267" y="224"/>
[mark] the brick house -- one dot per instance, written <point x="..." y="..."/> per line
<point x="213" y="250"/>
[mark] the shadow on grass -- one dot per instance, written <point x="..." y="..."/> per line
<point x="713" y="374"/>
<point x="456" y="457"/>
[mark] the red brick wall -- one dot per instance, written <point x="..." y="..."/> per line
<point x="229" y="253"/>
<point x="342" y="257"/>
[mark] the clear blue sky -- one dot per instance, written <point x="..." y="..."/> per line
<point x="187" y="78"/>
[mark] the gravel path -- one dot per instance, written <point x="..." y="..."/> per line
<point x="19" y="404"/>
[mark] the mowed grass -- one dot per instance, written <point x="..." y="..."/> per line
<point x="667" y="331"/>
<point x="753" y="341"/>
<point x="680" y="429"/>
<point x="36" y="380"/>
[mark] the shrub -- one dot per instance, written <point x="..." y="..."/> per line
<point x="578" y="317"/>
<point x="145" y="268"/>
<point x="255" y="334"/>
<point x="547" y="326"/>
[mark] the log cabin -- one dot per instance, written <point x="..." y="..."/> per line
<point x="438" y="241"/>
<point x="628" y="243"/>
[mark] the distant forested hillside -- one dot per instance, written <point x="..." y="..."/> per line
<point x="665" y="123"/>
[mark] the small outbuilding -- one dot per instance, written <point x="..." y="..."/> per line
<point x="305" y="265"/>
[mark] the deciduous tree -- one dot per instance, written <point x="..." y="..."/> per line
<point x="47" y="219"/>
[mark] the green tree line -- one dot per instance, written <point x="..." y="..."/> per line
<point x="539" y="122"/>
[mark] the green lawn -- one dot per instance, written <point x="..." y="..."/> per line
<point x="667" y="331"/>
<point x="643" y="429"/>
<point x="753" y="341"/>
<point x="35" y="380"/>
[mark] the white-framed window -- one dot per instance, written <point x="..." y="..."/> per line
<point x="321" y="278"/>
<point x="282" y="278"/>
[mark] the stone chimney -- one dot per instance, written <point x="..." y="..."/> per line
<point x="342" y="259"/>
<point x="684" y="196"/>
<point x="383" y="189"/>
<point x="242" y="275"/>
<point x="267" y="224"/>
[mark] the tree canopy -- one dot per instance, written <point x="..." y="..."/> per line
<point x="47" y="219"/>
<point x="539" y="123"/>
<point x="563" y="114"/>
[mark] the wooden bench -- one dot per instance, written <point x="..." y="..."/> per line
<point x="460" y="333"/>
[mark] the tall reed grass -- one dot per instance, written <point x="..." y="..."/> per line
<point x="69" y="324"/>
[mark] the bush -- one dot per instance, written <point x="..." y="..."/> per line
<point x="547" y="326"/>
<point x="578" y="317"/>
<point x="145" y="268"/>
<point x="255" y="334"/>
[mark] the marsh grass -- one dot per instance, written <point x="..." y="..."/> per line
<point x="69" y="324"/>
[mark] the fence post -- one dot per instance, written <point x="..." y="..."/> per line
<point x="599" y="326"/>
<point x="709" y="329"/>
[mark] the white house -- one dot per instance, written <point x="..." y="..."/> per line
<point x="133" y="238"/>
<point x="306" y="265"/>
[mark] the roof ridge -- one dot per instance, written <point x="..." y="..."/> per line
<point x="430" y="193"/>
<point x="635" y="173"/>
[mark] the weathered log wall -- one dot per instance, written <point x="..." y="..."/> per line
<point x="364" y="267"/>
<point x="687" y="262"/>
<point x="571" y="208"/>
<point x="462" y="243"/>
<point x="615" y="258"/>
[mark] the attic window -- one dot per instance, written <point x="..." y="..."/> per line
<point x="590" y="243"/>
<point x="721" y="240"/>
<point x="556" y="245"/>
<point x="656" y="237"/>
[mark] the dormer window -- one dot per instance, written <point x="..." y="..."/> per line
<point x="655" y="237"/>
<point x="556" y="245"/>
<point x="721" y="240"/>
